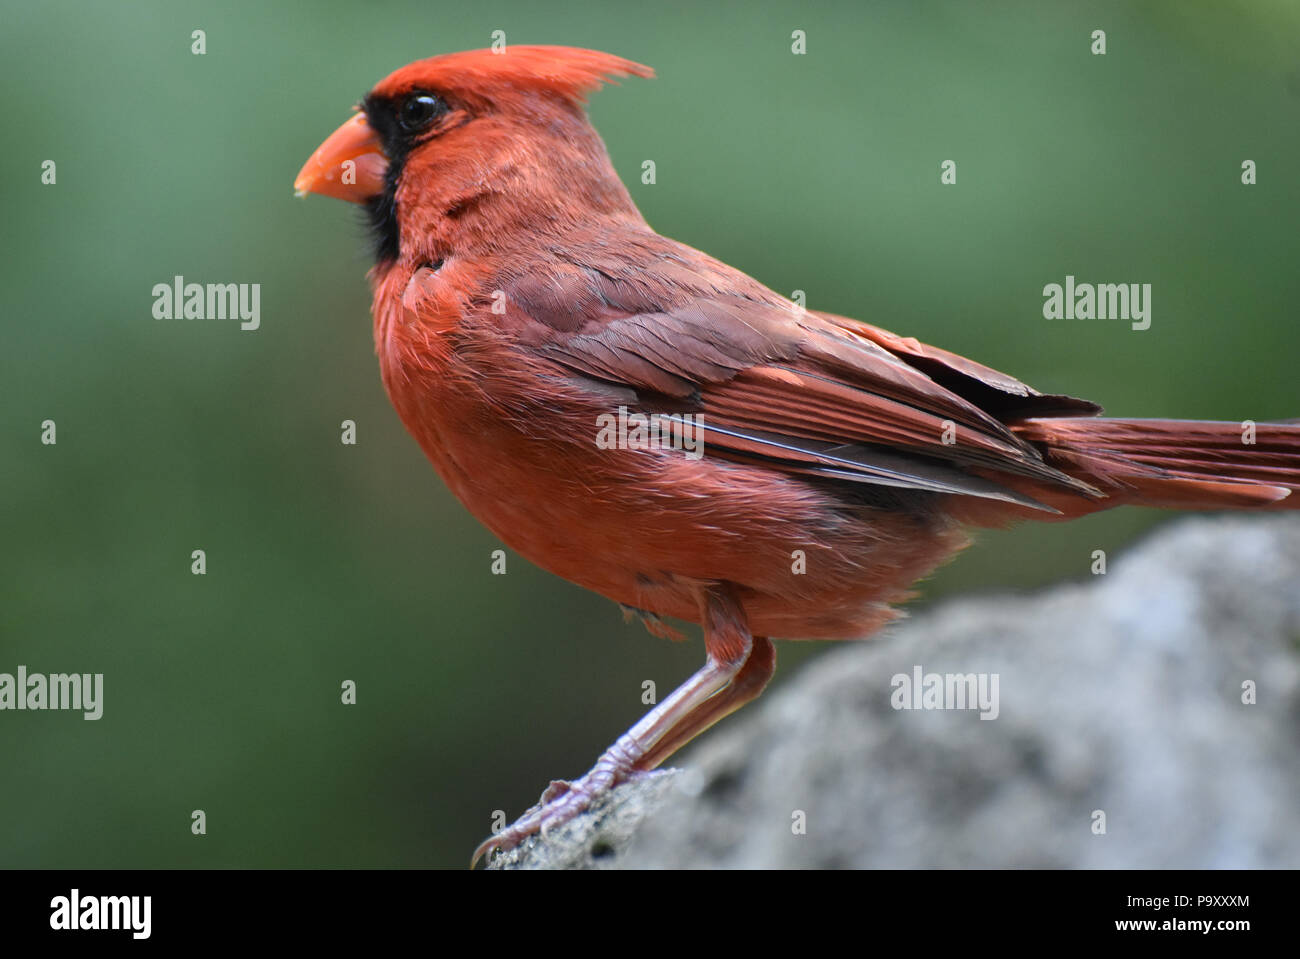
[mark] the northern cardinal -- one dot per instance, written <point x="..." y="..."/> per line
<point x="521" y="301"/>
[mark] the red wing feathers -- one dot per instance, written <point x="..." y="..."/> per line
<point x="808" y="392"/>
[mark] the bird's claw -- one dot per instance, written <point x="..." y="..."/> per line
<point x="561" y="802"/>
<point x="555" y="790"/>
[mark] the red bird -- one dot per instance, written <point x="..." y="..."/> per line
<point x="521" y="303"/>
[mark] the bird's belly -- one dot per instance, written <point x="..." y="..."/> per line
<point x="648" y="528"/>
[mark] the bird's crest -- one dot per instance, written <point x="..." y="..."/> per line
<point x="570" y="72"/>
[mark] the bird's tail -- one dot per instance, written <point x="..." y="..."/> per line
<point x="1179" y="464"/>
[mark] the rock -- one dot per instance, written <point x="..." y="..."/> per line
<point x="1119" y="702"/>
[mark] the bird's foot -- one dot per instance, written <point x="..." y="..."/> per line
<point x="561" y="802"/>
<point x="653" y="623"/>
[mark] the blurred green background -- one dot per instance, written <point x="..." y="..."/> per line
<point x="328" y="562"/>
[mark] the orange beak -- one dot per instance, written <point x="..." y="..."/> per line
<point x="349" y="165"/>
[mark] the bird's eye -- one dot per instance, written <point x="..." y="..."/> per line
<point x="418" y="111"/>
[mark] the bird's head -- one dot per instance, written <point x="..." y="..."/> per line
<point x="449" y="149"/>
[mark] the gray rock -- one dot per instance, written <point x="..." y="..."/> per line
<point x="1122" y="695"/>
